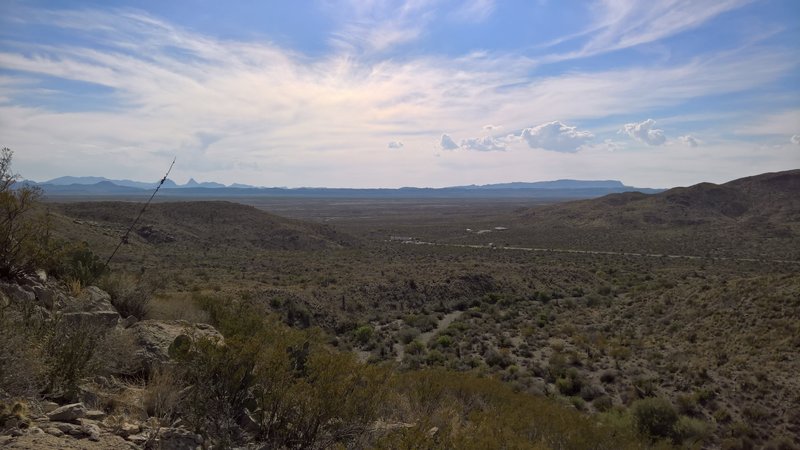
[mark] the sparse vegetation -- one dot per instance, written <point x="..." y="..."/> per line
<point x="343" y="339"/>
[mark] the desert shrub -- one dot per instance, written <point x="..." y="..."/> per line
<point x="130" y="295"/>
<point x="292" y="390"/>
<point x="415" y="348"/>
<point x="69" y="349"/>
<point x="363" y="334"/>
<point x="115" y="354"/>
<point x="654" y="417"/>
<point x="13" y="415"/>
<point x="603" y="403"/>
<point x="82" y="265"/>
<point x="21" y="366"/>
<point x="423" y="322"/>
<point x="691" y="431"/>
<point x="24" y="239"/>
<point x="477" y="413"/>
<point x="406" y="335"/>
<point x="495" y="358"/>
<point x="162" y="396"/>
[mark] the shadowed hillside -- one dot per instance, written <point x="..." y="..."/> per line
<point x="206" y="224"/>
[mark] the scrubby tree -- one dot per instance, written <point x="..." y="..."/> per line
<point x="22" y="240"/>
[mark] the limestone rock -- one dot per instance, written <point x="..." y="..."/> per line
<point x="68" y="413"/>
<point x="95" y="414"/>
<point x="93" y="306"/>
<point x="91" y="430"/>
<point x="155" y="337"/>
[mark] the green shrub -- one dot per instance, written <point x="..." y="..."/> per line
<point x="654" y="417"/>
<point x="363" y="334"/>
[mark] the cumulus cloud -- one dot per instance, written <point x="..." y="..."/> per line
<point x="447" y="143"/>
<point x="395" y="144"/>
<point x="480" y="144"/>
<point x="491" y="127"/>
<point x="556" y="136"/>
<point x="796" y="139"/>
<point x="484" y="144"/>
<point x="689" y="141"/>
<point x="644" y="132"/>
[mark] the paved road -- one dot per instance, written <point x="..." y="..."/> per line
<point x="599" y="252"/>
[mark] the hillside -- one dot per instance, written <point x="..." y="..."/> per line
<point x="208" y="224"/>
<point x="757" y="217"/>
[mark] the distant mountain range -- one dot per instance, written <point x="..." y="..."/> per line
<point x="67" y="181"/>
<point x="558" y="189"/>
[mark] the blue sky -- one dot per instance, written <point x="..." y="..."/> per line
<point x="401" y="93"/>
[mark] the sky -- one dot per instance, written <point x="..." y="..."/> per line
<point x="379" y="93"/>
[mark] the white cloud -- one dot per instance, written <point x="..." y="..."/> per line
<point x="689" y="141"/>
<point x="773" y="124"/>
<point x="395" y="144"/>
<point x="491" y="127"/>
<point x="627" y="23"/>
<point x="795" y="139"/>
<point x="484" y="144"/>
<point x="475" y="10"/>
<point x="556" y="136"/>
<point x="447" y="143"/>
<point x="166" y="85"/>
<point x="644" y="132"/>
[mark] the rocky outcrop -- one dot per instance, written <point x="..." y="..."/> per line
<point x="68" y="413"/>
<point x="155" y="337"/>
<point x="93" y="306"/>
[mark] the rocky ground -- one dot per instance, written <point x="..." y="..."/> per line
<point x="107" y="411"/>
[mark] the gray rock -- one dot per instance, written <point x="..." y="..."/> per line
<point x="54" y="431"/>
<point x="155" y="337"/>
<point x="127" y="429"/>
<point x="66" y="428"/>
<point x="18" y="293"/>
<point x="139" y="439"/>
<point x="179" y="439"/>
<point x="46" y="297"/>
<point x="48" y="406"/>
<point x="91" y="430"/>
<point x="68" y="413"/>
<point x="129" y="321"/>
<point x="95" y="414"/>
<point x="5" y="440"/>
<point x="94" y="307"/>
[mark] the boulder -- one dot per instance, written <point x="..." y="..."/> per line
<point x="155" y="338"/>
<point x="46" y="297"/>
<point x="91" y="430"/>
<point x="178" y="439"/>
<point x="94" y="307"/>
<point x="68" y="413"/>
<point x="17" y="293"/>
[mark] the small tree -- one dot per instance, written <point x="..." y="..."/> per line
<point x="22" y="241"/>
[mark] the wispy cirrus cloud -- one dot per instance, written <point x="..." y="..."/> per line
<point x="275" y="113"/>
<point x="475" y="10"/>
<point x="623" y="24"/>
